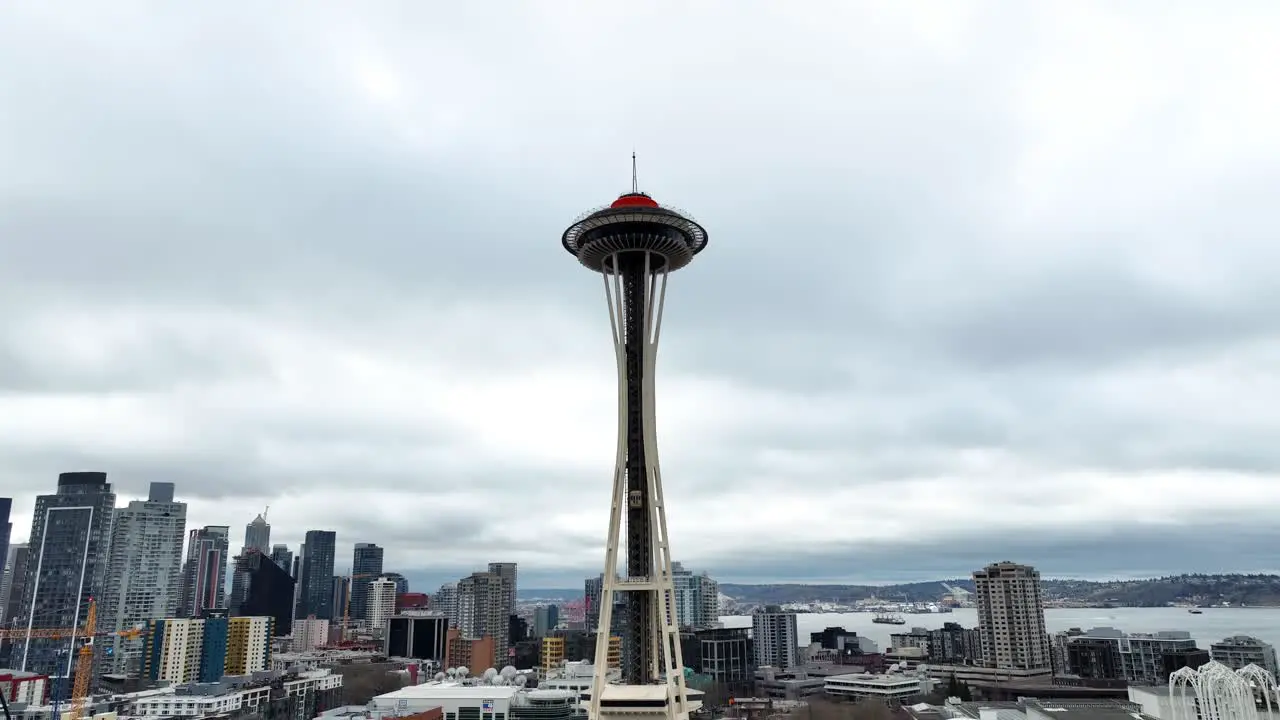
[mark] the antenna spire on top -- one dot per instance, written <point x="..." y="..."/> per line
<point x="635" y="183"/>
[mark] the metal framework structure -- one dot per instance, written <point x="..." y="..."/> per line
<point x="1216" y="692"/>
<point x="635" y="244"/>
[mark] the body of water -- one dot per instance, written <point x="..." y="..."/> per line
<point x="1207" y="628"/>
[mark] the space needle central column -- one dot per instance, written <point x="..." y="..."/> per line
<point x="634" y="244"/>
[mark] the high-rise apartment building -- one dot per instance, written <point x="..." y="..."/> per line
<point x="483" y="611"/>
<point x="315" y="596"/>
<point x="16" y="579"/>
<point x="341" y="597"/>
<point x="69" y="544"/>
<point x="1238" y="651"/>
<point x="697" y="598"/>
<point x="1011" y="619"/>
<point x="6" y="528"/>
<point x="366" y="566"/>
<point x="381" y="603"/>
<point x="506" y="571"/>
<point x="545" y="619"/>
<point x="445" y="602"/>
<point x="281" y="556"/>
<point x="144" y="576"/>
<point x="592" y="589"/>
<point x="248" y="645"/>
<point x="172" y="650"/>
<point x="205" y="570"/>
<point x="7" y="580"/>
<point x="402" y="582"/>
<point x="774" y="637"/>
<point x="187" y="650"/>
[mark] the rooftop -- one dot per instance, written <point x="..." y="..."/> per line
<point x="451" y="691"/>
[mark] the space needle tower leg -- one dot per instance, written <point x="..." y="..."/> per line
<point x="635" y="244"/>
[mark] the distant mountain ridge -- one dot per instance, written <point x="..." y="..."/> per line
<point x="1234" y="589"/>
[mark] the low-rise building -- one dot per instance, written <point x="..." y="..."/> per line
<point x="19" y="686"/>
<point x="1237" y="651"/>
<point x="307" y="692"/>
<point x="894" y="687"/>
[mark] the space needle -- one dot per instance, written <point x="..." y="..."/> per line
<point x="635" y="244"/>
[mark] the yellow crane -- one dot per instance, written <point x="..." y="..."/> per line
<point x="84" y="658"/>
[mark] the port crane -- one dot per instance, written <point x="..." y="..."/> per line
<point x="84" y="656"/>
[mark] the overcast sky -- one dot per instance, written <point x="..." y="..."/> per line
<point x="985" y="280"/>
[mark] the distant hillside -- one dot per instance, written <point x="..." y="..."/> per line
<point x="1199" y="589"/>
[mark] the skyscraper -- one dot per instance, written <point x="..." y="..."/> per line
<point x="507" y="571"/>
<point x="6" y="580"/>
<point x="775" y="638"/>
<point x="382" y="603"/>
<point x="144" y="578"/>
<point x="697" y="598"/>
<point x="16" y="577"/>
<point x="205" y="570"/>
<point x="483" y="612"/>
<point x="316" y="594"/>
<point x="69" y="547"/>
<point x="257" y="537"/>
<point x="281" y="556"/>
<point x="1011" y="618"/>
<point x="635" y="244"/>
<point x="269" y="591"/>
<point x="445" y="602"/>
<point x="257" y="534"/>
<point x="6" y="527"/>
<point x="366" y="566"/>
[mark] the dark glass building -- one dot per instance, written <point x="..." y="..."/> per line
<point x="315" y="596"/>
<point x="422" y="637"/>
<point x="70" y="534"/>
<point x="269" y="591"/>
<point x="366" y="566"/>
<point x="6" y="529"/>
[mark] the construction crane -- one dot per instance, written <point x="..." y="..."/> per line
<point x="84" y="659"/>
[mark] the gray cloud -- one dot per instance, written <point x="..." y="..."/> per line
<point x="958" y="269"/>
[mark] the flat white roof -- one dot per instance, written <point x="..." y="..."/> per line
<point x="451" y="691"/>
<point x="634" y="692"/>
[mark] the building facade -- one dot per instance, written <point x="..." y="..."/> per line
<point x="380" y="603"/>
<point x="1011" y="618"/>
<point x="775" y="639"/>
<point x="445" y="602"/>
<point x="366" y="566"/>
<point x="483" y="611"/>
<point x="281" y="556"/>
<point x="69" y="548"/>
<point x="506" y="571"/>
<point x="697" y="598"/>
<point x="248" y="645"/>
<point x="422" y="637"/>
<point x="269" y="592"/>
<point x="1237" y="651"/>
<point x="205" y="570"/>
<point x="315" y="594"/>
<point x="545" y="619"/>
<point x="144" y="578"/>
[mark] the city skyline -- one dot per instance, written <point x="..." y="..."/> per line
<point x="965" y="271"/>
